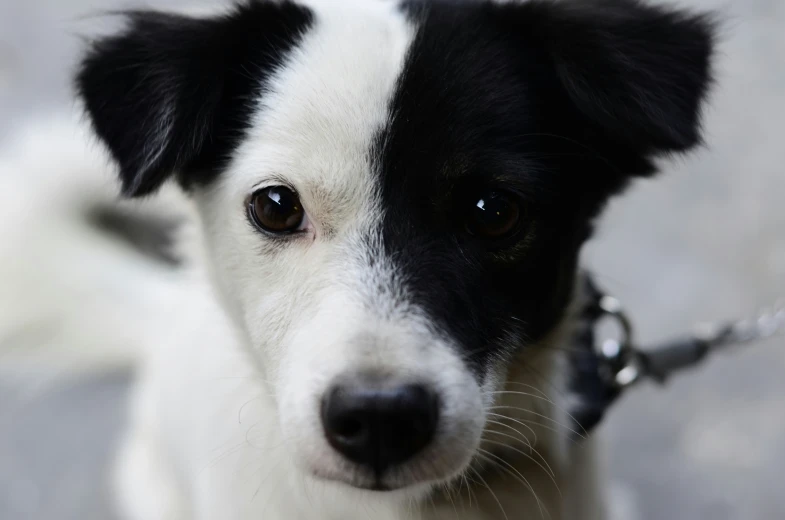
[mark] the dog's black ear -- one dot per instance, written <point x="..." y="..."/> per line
<point x="172" y="94"/>
<point x="638" y="73"/>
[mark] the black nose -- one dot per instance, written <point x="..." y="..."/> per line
<point x="379" y="427"/>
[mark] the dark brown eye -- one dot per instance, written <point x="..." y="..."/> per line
<point x="494" y="215"/>
<point x="276" y="209"/>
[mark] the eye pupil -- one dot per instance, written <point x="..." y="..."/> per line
<point x="493" y="216"/>
<point x="277" y="210"/>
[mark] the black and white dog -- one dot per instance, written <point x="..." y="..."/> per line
<point x="391" y="200"/>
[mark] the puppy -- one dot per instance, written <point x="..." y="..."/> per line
<point x="391" y="201"/>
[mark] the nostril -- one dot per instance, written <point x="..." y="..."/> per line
<point x="379" y="427"/>
<point x="349" y="427"/>
<point x="344" y="416"/>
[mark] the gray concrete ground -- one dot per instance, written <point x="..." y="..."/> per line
<point x="704" y="242"/>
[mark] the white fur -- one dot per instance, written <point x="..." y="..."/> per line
<point x="225" y="419"/>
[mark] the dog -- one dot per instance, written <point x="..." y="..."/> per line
<point x="390" y="200"/>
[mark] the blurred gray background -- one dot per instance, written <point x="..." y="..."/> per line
<point x="705" y="241"/>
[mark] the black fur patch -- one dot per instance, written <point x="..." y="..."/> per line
<point x="559" y="103"/>
<point x="176" y="94"/>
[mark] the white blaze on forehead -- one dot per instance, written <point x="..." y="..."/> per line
<point x="321" y="111"/>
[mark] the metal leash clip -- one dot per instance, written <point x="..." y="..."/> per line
<point x="602" y="370"/>
<point x="621" y="367"/>
<point x="628" y="365"/>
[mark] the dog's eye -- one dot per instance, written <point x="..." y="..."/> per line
<point x="276" y="209"/>
<point x="495" y="215"/>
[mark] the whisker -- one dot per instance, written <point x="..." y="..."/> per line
<point x="515" y="392"/>
<point x="229" y="451"/>
<point x="493" y="414"/>
<point x="492" y="493"/>
<point x="468" y="488"/>
<point x="433" y="503"/>
<point x="531" y="387"/>
<point x="240" y="411"/>
<point x="468" y="479"/>
<point x="558" y="391"/>
<point x="546" y="468"/>
<point x="532" y="450"/>
<point x="546" y="380"/>
<point x="554" y="421"/>
<point x="514" y="473"/>
<point x="538" y="425"/>
<point x="525" y="439"/>
<point x="549" y="470"/>
<point x="544" y="398"/>
<point x="448" y="492"/>
<point x="273" y="469"/>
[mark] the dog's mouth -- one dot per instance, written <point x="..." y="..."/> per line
<point x="374" y="484"/>
<point x="400" y="480"/>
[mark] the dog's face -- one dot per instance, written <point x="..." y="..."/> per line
<point x="394" y="196"/>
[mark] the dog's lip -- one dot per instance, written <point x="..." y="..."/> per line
<point x="375" y="485"/>
<point x="378" y="486"/>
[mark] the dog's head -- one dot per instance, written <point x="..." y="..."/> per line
<point x="394" y="196"/>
